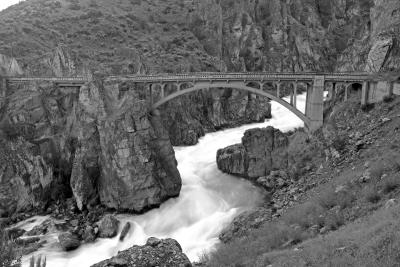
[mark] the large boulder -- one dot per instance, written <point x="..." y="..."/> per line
<point x="261" y="151"/>
<point x="108" y="226"/>
<point x="68" y="241"/>
<point x="162" y="253"/>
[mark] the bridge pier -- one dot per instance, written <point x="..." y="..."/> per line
<point x="150" y="87"/>
<point x="315" y="104"/>
<point x="278" y="90"/>
<point x="3" y="91"/>
<point x="295" y="84"/>
<point x="346" y="91"/>
<point x="364" y="93"/>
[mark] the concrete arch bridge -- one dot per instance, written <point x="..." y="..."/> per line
<point x="262" y="84"/>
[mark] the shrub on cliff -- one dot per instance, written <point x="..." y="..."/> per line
<point x="9" y="257"/>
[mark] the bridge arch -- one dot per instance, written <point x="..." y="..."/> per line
<point x="238" y="86"/>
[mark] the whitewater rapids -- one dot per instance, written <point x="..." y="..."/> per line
<point x="208" y="202"/>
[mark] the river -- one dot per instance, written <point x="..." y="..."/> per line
<point x="208" y="202"/>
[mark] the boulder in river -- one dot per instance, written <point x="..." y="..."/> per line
<point x="108" y="226"/>
<point x="156" y="252"/>
<point x="125" y="231"/>
<point x="261" y="151"/>
<point x="69" y="241"/>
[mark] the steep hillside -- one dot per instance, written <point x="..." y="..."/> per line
<point x="340" y="206"/>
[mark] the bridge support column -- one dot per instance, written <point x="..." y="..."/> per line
<point x="364" y="93"/>
<point x="3" y="90"/>
<point x="150" y="86"/>
<point x="162" y="94"/>
<point x="3" y="86"/>
<point x="308" y="96"/>
<point x="346" y="91"/>
<point x="331" y="92"/>
<point x="315" y="104"/>
<point x="278" y="90"/>
<point x="295" y="94"/>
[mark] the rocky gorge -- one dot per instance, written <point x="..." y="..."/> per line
<point x="96" y="148"/>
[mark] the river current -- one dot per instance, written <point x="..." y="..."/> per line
<point x="208" y="202"/>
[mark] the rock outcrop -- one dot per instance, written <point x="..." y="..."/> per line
<point x="156" y="252"/>
<point x="9" y="66"/>
<point x="261" y="151"/>
<point x="96" y="143"/>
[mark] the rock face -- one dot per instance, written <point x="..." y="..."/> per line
<point x="210" y="111"/>
<point x="138" y="166"/>
<point x="96" y="143"/>
<point x="61" y="63"/>
<point x="26" y="180"/>
<point x="9" y="66"/>
<point x="128" y="153"/>
<point x="261" y="151"/>
<point x="163" y="253"/>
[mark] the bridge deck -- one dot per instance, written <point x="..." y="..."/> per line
<point x="207" y="76"/>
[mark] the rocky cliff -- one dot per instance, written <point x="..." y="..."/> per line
<point x="97" y="141"/>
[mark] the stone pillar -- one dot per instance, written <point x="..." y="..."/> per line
<point x="162" y="94"/>
<point x="316" y="104"/>
<point x="150" y="86"/>
<point x="365" y="93"/>
<point x="278" y="89"/>
<point x="346" y="91"/>
<point x="291" y="97"/>
<point x="3" y="86"/>
<point x="3" y="90"/>
<point x="308" y="98"/>
<point x="331" y="90"/>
